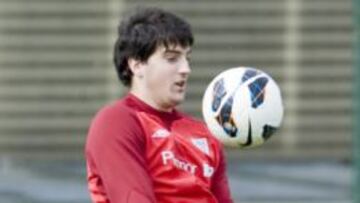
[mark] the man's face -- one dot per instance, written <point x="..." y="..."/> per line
<point x="165" y="76"/>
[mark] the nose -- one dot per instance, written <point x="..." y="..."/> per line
<point x="185" y="67"/>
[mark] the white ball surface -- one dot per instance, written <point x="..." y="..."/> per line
<point x="242" y="107"/>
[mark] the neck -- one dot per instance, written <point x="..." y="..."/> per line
<point x="142" y="95"/>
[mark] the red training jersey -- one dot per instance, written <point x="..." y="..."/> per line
<point x="136" y="154"/>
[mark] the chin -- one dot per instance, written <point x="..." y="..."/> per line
<point x="177" y="100"/>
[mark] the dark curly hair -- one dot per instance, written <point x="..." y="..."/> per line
<point x="141" y="33"/>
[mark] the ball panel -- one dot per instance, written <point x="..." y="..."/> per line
<point x="268" y="131"/>
<point x="257" y="90"/>
<point x="249" y="73"/>
<point x="217" y="94"/>
<point x="225" y="117"/>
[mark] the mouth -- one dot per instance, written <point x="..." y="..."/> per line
<point x="181" y="85"/>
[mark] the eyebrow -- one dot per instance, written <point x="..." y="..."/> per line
<point x="174" y="51"/>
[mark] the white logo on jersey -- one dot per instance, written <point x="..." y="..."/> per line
<point x="202" y="144"/>
<point x="160" y="133"/>
<point x="169" y="157"/>
<point x="208" y="170"/>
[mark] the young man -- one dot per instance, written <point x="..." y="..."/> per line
<point x="140" y="149"/>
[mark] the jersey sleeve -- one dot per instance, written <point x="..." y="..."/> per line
<point x="220" y="185"/>
<point x="116" y="165"/>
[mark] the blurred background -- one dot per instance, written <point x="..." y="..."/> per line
<point x="56" y="71"/>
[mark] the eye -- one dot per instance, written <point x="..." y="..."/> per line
<point x="172" y="59"/>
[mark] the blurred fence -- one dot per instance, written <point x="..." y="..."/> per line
<point x="356" y="141"/>
<point x="54" y="58"/>
<point x="56" y="68"/>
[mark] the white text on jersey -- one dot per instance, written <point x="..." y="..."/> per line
<point x="169" y="157"/>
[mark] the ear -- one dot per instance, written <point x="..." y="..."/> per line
<point x="136" y="67"/>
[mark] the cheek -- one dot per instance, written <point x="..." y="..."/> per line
<point x="158" y="81"/>
<point x="161" y="78"/>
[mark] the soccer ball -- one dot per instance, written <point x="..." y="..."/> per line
<point x="242" y="107"/>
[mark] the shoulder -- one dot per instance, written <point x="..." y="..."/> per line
<point x="194" y="122"/>
<point x="116" y="109"/>
<point x="115" y="114"/>
<point x="115" y="121"/>
<point x="190" y="119"/>
<point x="200" y="127"/>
